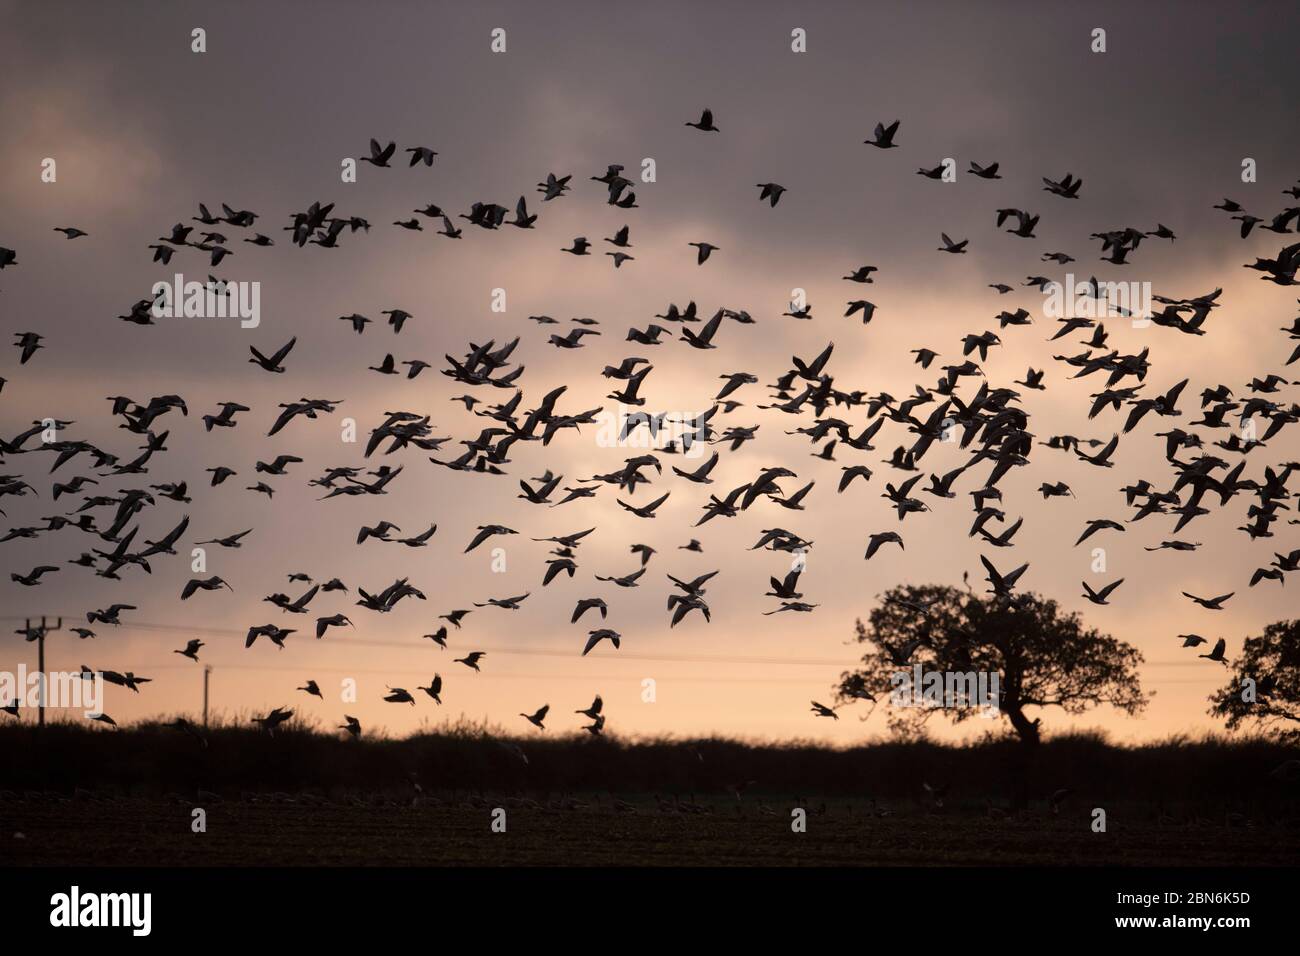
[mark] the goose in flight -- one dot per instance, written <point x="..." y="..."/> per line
<point x="419" y="154"/>
<point x="191" y="650"/>
<point x="379" y="532"/>
<point x="335" y="620"/>
<point x="471" y="659"/>
<point x="786" y="589"/>
<point x="272" y="364"/>
<point x="1267" y="574"/>
<point x="312" y="688"/>
<point x="128" y="680"/>
<point x="771" y="192"/>
<point x="554" y="187"/>
<point x="799" y="606"/>
<point x="1099" y="597"/>
<point x="71" y="232"/>
<point x="985" y="172"/>
<point x="1001" y="584"/>
<point x="225" y="418"/>
<point x="860" y="693"/>
<point x="585" y="605"/>
<point x="353" y="726"/>
<point x="601" y="634"/>
<point x="273" y="720"/>
<point x="592" y="712"/>
<point x="572" y="340"/>
<point x="110" y="615"/>
<point x="522" y="219"/>
<point x="868" y="310"/>
<point x="213" y="583"/>
<point x="1067" y="187"/>
<point x="28" y="343"/>
<point x="1025" y="222"/>
<point x="703" y="339"/>
<point x="485" y="532"/>
<point x="1002" y="540"/>
<point x="420" y="540"/>
<point x="646" y="510"/>
<point x="399" y="695"/>
<point x="537" y="716"/>
<point x="220" y="474"/>
<point x="883" y="137"/>
<point x="33" y="578"/>
<point x="901" y="654"/>
<point x="705" y="124"/>
<point x="627" y="581"/>
<point x="434" y="689"/>
<point x="272" y="633"/>
<point x="294" y="607"/>
<point x="1102" y="458"/>
<point x="877" y="541"/>
<point x="509" y="604"/>
<point x="703" y="251"/>
<point x="950" y="246"/>
<point x="1097" y="524"/>
<point x="379" y="156"/>
<point x="455" y="617"/>
<point x="1210" y="604"/>
<point x="1217" y="653"/>
<point x="821" y="710"/>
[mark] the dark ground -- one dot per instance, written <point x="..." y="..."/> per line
<point x="296" y="830"/>
<point x="69" y="796"/>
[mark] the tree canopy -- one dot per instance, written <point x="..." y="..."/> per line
<point x="1263" y="687"/>
<point x="1041" y="656"/>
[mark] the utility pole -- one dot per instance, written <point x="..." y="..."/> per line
<point x="207" y="670"/>
<point x="40" y="662"/>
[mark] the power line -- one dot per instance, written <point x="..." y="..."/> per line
<point x="390" y="671"/>
<point x="424" y="672"/>
<point x="528" y="652"/>
<point x="534" y="652"/>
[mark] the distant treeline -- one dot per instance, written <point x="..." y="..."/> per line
<point x="158" y="759"/>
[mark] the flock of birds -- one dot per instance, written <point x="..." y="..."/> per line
<point x="988" y="423"/>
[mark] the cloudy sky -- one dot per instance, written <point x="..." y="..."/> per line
<point x="142" y="129"/>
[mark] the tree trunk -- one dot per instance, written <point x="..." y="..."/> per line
<point x="1022" y="762"/>
<point x="1026" y="728"/>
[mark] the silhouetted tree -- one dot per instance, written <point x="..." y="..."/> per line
<point x="1042" y="656"/>
<point x="1264" y="685"/>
